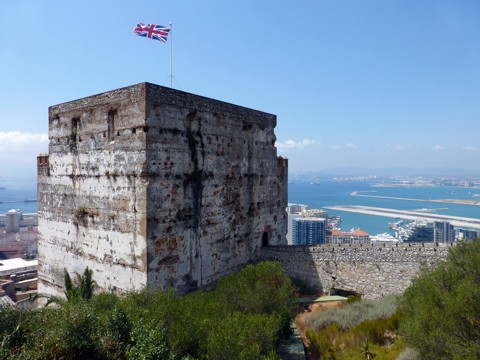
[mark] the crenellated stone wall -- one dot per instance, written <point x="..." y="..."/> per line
<point x="150" y="186"/>
<point x="371" y="271"/>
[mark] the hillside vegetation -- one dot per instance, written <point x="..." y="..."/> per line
<point x="441" y="309"/>
<point x="245" y="317"/>
<point x="438" y="317"/>
<point x="248" y="314"/>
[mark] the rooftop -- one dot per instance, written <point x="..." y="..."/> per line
<point x="355" y="232"/>
<point x="12" y="266"/>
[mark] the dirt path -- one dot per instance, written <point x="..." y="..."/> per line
<point x="302" y="314"/>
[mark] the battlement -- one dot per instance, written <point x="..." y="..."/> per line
<point x="43" y="165"/>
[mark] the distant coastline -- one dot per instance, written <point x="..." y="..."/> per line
<point x="403" y="185"/>
<point x="462" y="201"/>
<point x="446" y="201"/>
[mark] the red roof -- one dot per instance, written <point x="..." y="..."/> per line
<point x="356" y="232"/>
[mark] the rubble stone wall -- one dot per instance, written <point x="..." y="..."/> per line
<point x="371" y="271"/>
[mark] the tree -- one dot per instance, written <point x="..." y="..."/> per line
<point x="84" y="288"/>
<point x="441" y="309"/>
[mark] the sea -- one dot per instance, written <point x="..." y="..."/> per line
<point x="324" y="193"/>
<point x="18" y="198"/>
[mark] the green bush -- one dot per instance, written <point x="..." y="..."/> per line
<point x="242" y="336"/>
<point x="263" y="288"/>
<point x="193" y="319"/>
<point x="353" y="299"/>
<point x="321" y="345"/>
<point x="244" y="318"/>
<point x="441" y="311"/>
<point x="11" y="330"/>
<point x="354" y="313"/>
<point x="334" y="342"/>
<point x="71" y="333"/>
<point x="156" y="305"/>
<point x="148" y="340"/>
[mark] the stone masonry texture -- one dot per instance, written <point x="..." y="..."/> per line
<point x="371" y="271"/>
<point x="154" y="187"/>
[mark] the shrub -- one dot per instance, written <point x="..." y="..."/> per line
<point x="333" y="341"/>
<point x="243" y="336"/>
<point x="223" y="323"/>
<point x="409" y="354"/>
<point x="320" y="345"/>
<point x="441" y="312"/>
<point x="263" y="288"/>
<point x="353" y="299"/>
<point x="11" y="330"/>
<point x="71" y="332"/>
<point x="193" y="319"/>
<point x="148" y="343"/>
<point x="354" y="313"/>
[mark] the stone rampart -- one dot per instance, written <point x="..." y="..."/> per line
<point x="371" y="271"/>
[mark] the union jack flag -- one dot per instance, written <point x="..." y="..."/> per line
<point x="152" y="31"/>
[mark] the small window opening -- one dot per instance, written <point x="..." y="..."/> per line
<point x="265" y="237"/>
<point x="73" y="134"/>
<point x="111" y="125"/>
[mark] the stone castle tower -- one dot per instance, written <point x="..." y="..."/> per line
<point x="154" y="187"/>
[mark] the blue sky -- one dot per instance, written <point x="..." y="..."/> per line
<point x="354" y="83"/>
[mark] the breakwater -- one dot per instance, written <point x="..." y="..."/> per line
<point x="457" y="221"/>
<point x="446" y="201"/>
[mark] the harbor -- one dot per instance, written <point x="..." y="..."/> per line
<point x="457" y="221"/>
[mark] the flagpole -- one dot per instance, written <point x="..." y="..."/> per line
<point x="171" y="52"/>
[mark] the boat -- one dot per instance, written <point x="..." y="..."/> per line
<point x="385" y="238"/>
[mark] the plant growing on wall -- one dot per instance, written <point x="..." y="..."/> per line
<point x="83" y="290"/>
<point x="80" y="213"/>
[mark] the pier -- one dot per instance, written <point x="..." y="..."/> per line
<point x="457" y="221"/>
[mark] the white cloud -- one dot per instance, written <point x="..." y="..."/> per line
<point x="348" y="146"/>
<point x="438" y="147"/>
<point x="18" y="153"/>
<point x="335" y="147"/>
<point x="13" y="141"/>
<point x="292" y="144"/>
<point x="470" y="148"/>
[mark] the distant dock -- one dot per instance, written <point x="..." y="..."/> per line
<point x="458" y="221"/>
<point x="18" y="201"/>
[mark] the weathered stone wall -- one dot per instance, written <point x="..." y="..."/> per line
<point x="216" y="165"/>
<point x="150" y="186"/>
<point x="371" y="271"/>
<point x="92" y="199"/>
